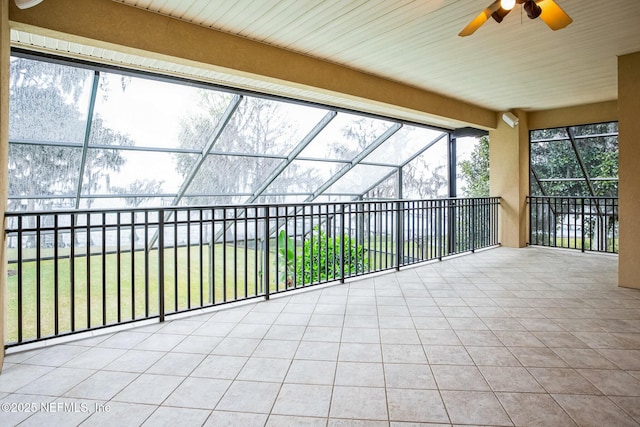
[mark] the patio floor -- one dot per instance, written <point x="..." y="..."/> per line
<point x="501" y="337"/>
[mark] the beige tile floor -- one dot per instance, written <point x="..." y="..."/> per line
<point x="501" y="337"/>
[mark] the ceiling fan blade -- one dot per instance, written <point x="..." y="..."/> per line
<point x="553" y="15"/>
<point x="480" y="19"/>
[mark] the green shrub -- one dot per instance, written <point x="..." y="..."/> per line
<point x="321" y="255"/>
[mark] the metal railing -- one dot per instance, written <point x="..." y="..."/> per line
<point x="584" y="223"/>
<point x="74" y="271"/>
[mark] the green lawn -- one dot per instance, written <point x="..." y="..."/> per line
<point x="187" y="284"/>
<point x="128" y="298"/>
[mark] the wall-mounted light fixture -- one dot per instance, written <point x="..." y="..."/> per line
<point x="510" y="119"/>
<point x="26" y="4"/>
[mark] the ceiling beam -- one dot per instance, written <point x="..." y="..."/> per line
<point x="112" y="25"/>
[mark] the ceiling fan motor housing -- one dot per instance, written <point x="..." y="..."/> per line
<point x="553" y="15"/>
<point x="531" y="8"/>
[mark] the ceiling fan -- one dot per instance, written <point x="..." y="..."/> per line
<point x="25" y="4"/>
<point x="547" y="10"/>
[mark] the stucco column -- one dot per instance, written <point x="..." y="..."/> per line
<point x="629" y="172"/>
<point x="5" y="53"/>
<point x="509" y="178"/>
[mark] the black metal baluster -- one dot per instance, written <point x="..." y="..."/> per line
<point x="118" y="267"/>
<point x="255" y="252"/>
<point x="326" y="243"/>
<point x="175" y="261"/>
<point x="212" y="259"/>
<point x="201" y="255"/>
<point x="342" y="242"/>
<point x="133" y="265"/>
<point x="473" y="225"/>
<point x="56" y="260"/>
<point x="267" y="227"/>
<point x="246" y="253"/>
<point x="88" y="274"/>
<point x="20" y="266"/>
<point x="38" y="278"/>
<point x="235" y="254"/>
<point x="147" y="248"/>
<point x="161" y="246"/>
<point x="188" y="259"/>
<point x="104" y="267"/>
<point x="72" y="273"/>
<point x="224" y="254"/>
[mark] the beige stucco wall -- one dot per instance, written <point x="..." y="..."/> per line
<point x="4" y="153"/>
<point x="600" y="112"/>
<point x="509" y="178"/>
<point x="629" y="173"/>
<point x="509" y="154"/>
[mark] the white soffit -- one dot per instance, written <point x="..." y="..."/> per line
<point x="519" y="63"/>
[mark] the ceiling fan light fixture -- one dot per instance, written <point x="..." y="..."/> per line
<point x="499" y="14"/>
<point x="546" y="10"/>
<point x="507" y="4"/>
<point x="532" y="9"/>
<point x="26" y="4"/>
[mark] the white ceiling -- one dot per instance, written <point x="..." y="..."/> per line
<point x="519" y="63"/>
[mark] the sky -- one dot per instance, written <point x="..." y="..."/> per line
<point x="149" y="112"/>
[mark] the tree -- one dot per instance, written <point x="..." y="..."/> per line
<point x="257" y="127"/>
<point x="387" y="189"/>
<point x="475" y="171"/>
<point x="420" y="178"/>
<point x="555" y="167"/>
<point x="560" y="159"/>
<point x="141" y="189"/>
<point x="362" y="132"/>
<point x="356" y="137"/>
<point x="423" y="180"/>
<point x="99" y="162"/>
<point x="48" y="107"/>
<point x="42" y="108"/>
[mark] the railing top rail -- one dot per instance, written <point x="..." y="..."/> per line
<point x="574" y="197"/>
<point x="97" y="211"/>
